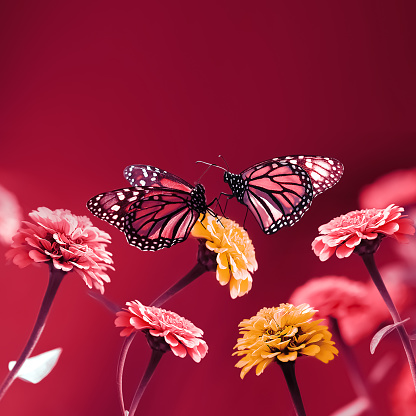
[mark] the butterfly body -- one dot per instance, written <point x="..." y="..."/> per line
<point x="279" y="191"/>
<point x="237" y="185"/>
<point x="158" y="211"/>
<point x="198" y="201"/>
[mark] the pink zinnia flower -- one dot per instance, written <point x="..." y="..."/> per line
<point x="343" y="234"/>
<point x="398" y="186"/>
<point x="10" y="215"/>
<point x="175" y="332"/>
<point x="67" y="241"/>
<point x="349" y="302"/>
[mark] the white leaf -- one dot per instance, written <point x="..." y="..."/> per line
<point x="36" y="368"/>
<point x="382" y="368"/>
<point x="382" y="333"/>
<point x="355" y="408"/>
<point x="412" y="335"/>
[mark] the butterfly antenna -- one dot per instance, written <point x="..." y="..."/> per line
<point x="209" y="166"/>
<point x="226" y="164"/>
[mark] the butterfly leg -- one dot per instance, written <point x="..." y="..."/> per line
<point x="229" y="196"/>
<point x="210" y="211"/>
<point x="217" y="201"/>
<point x="244" y="222"/>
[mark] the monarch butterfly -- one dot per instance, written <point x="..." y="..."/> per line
<point x="158" y="211"/>
<point x="279" y="191"/>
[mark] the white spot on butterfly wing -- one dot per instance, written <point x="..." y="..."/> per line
<point x="316" y="176"/>
<point x="321" y="171"/>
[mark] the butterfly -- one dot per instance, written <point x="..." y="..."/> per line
<point x="279" y="191"/>
<point x="157" y="211"/>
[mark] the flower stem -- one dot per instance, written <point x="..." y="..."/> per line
<point x="55" y="279"/>
<point x="378" y="281"/>
<point x="120" y="369"/>
<point x="154" y="361"/>
<point x="357" y="380"/>
<point x="193" y="274"/>
<point x="290" y="376"/>
<point x="110" y="305"/>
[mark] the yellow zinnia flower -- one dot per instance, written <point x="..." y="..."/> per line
<point x="282" y="334"/>
<point x="235" y="252"/>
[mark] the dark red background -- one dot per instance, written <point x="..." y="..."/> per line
<point x="87" y="88"/>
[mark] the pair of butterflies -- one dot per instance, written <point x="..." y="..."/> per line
<point x="160" y="209"/>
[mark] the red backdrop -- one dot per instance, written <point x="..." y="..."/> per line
<point x="88" y="88"/>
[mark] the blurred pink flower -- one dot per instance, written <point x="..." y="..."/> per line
<point x="68" y="241"/>
<point x="397" y="187"/>
<point x="403" y="398"/>
<point x="178" y="333"/>
<point x="10" y="215"/>
<point x="343" y="234"/>
<point x="349" y="302"/>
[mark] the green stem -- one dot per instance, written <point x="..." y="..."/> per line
<point x="55" y="279"/>
<point x="378" y="281"/>
<point x="154" y="361"/>
<point x="290" y="376"/>
<point x="193" y="274"/>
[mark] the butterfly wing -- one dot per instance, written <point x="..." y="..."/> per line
<point x="324" y="172"/>
<point x="277" y="193"/>
<point x="158" y="212"/>
<point x="113" y="206"/>
<point x="146" y="175"/>
<point x="161" y="219"/>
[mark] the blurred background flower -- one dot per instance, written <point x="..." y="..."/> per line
<point x="356" y="305"/>
<point x="396" y="187"/>
<point x="402" y="396"/>
<point x="10" y="215"/>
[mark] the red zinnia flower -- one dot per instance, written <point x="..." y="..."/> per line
<point x="343" y="234"/>
<point x="181" y="335"/>
<point x="68" y="241"/>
